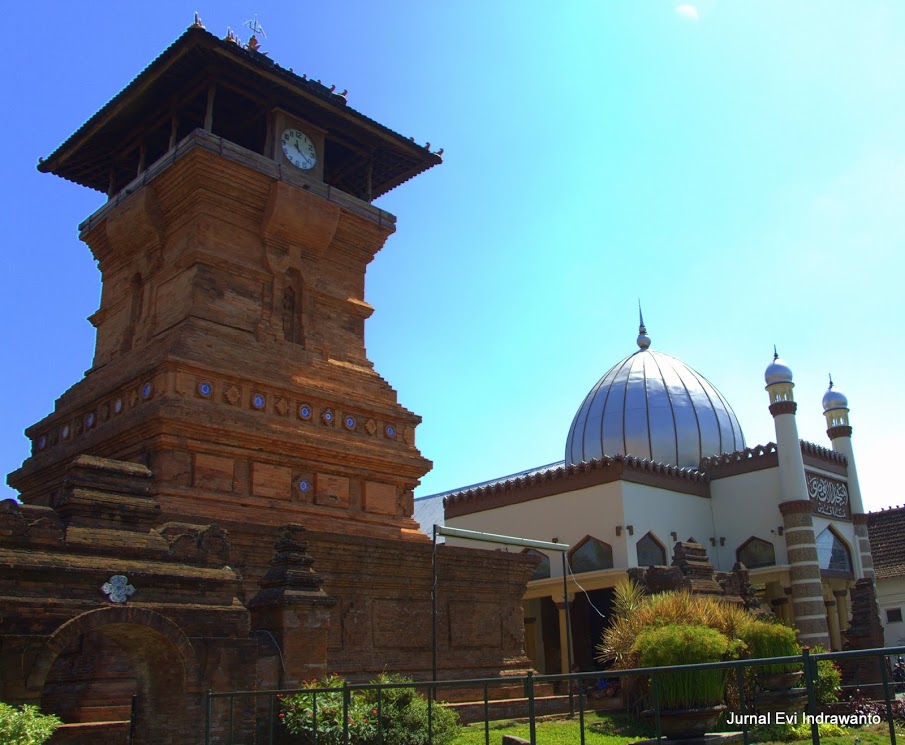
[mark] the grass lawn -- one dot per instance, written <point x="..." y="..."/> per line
<point x="620" y="730"/>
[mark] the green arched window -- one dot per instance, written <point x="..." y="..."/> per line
<point x="650" y="551"/>
<point x="543" y="569"/>
<point x="591" y="554"/>
<point x="756" y="552"/>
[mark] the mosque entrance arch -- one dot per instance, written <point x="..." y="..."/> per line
<point x="90" y="668"/>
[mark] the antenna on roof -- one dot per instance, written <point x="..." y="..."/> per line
<point x="256" y="28"/>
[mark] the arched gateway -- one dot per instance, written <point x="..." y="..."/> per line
<point x="90" y="668"/>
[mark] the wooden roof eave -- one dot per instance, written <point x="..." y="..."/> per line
<point x="81" y="145"/>
<point x="142" y="83"/>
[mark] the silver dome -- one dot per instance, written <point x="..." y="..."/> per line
<point x="651" y="405"/>
<point x="777" y="371"/>
<point x="834" y="399"/>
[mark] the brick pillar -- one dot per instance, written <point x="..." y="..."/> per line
<point x="292" y="607"/>
<point x="865" y="632"/>
<point x="808" y="610"/>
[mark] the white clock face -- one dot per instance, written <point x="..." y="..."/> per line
<point x="299" y="149"/>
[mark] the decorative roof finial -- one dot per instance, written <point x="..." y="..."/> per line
<point x="256" y="28"/>
<point x="643" y="339"/>
<point x="775" y="353"/>
<point x="831" y="381"/>
<point x="197" y="23"/>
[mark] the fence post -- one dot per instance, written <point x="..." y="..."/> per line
<point x="346" y="712"/>
<point x="886" y="699"/>
<point x="740" y="681"/>
<point x="486" y="715"/>
<point x="207" y="719"/>
<point x="529" y="689"/>
<point x="656" y="691"/>
<point x="809" y="669"/>
<point x="581" y="710"/>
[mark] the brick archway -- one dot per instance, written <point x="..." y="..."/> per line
<point x="163" y="661"/>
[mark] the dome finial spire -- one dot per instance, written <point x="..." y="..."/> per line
<point x="775" y="353"/>
<point x="643" y="338"/>
<point x="831" y="381"/>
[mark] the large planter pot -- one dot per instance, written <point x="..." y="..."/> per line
<point x="678" y="724"/>
<point x="779" y="681"/>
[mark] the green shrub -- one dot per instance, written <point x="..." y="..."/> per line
<point x="828" y="685"/>
<point x="399" y="715"/>
<point x="316" y="708"/>
<point x="25" y="725"/>
<point x="765" y="639"/>
<point x="685" y="645"/>
<point x="403" y="715"/>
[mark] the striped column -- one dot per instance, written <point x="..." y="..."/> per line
<point x="808" y="609"/>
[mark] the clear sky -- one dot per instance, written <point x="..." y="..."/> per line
<point x="738" y="166"/>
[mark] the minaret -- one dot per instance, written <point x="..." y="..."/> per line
<point x="838" y="429"/>
<point x="798" y="527"/>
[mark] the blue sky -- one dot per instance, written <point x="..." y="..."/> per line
<point x="739" y="167"/>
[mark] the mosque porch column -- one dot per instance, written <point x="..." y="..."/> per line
<point x="565" y="653"/>
<point x="808" y="610"/>
<point x="842" y="608"/>
<point x="832" y="618"/>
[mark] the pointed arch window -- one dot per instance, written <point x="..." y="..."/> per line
<point x="833" y="554"/>
<point x="543" y="569"/>
<point x="650" y="551"/>
<point x="591" y="554"/>
<point x="756" y="552"/>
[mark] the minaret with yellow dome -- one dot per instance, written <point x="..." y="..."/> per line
<point x="839" y="430"/>
<point x="808" y="605"/>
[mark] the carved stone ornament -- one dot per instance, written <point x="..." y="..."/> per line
<point x="117" y="588"/>
<point x="829" y="497"/>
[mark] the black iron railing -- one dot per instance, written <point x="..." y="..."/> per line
<point x="258" y="718"/>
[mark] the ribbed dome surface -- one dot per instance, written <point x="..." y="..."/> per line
<point x="653" y="406"/>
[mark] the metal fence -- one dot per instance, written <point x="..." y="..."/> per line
<point x="244" y="717"/>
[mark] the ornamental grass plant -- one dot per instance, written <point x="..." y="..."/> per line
<point x="673" y="644"/>
<point x="765" y="639"/>
<point x="634" y="611"/>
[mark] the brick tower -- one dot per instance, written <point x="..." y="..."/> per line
<point x="230" y="353"/>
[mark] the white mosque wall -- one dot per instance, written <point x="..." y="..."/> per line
<point x="664" y="513"/>
<point x="569" y="517"/>
<point x="746" y="506"/>
<point x="891" y="596"/>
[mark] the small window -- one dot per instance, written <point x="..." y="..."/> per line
<point x="543" y="569"/>
<point x="756" y="552"/>
<point x="893" y="615"/>
<point x="650" y="551"/>
<point x="591" y="554"/>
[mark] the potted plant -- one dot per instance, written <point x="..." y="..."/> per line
<point x="764" y="639"/>
<point x="690" y="701"/>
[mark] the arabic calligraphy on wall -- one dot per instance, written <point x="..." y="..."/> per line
<point x="829" y="497"/>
